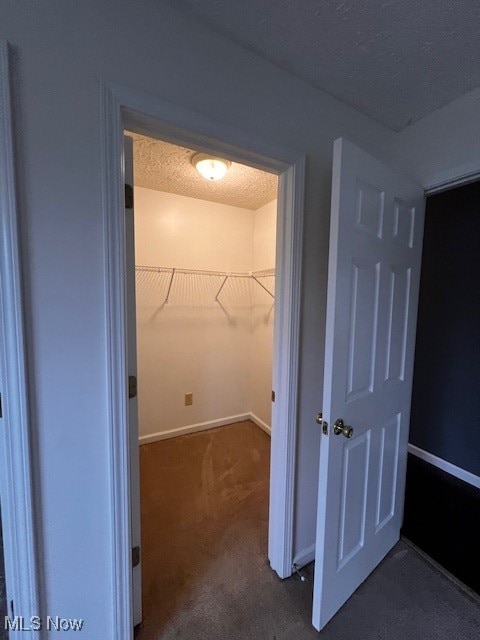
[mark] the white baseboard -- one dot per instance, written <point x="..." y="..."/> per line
<point x="304" y="557"/>
<point x="204" y="426"/>
<point x="450" y="468"/>
<point x="192" y="428"/>
<point x="260" y="423"/>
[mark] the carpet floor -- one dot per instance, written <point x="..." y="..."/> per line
<point x="205" y="573"/>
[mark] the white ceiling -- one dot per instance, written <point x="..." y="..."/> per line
<point x="166" y="167"/>
<point x="395" y="60"/>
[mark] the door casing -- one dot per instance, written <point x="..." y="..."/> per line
<point x="16" y="466"/>
<point x="126" y="109"/>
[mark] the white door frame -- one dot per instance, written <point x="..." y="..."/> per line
<point x="459" y="177"/>
<point x="128" y="109"/>
<point x="16" y="475"/>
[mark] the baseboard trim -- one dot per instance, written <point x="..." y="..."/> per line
<point x="204" y="426"/>
<point x="192" y="428"/>
<point x="448" y="467"/>
<point x="260" y="423"/>
<point x="304" y="557"/>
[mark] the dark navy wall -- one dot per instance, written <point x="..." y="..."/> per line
<point x="445" y="418"/>
<point x="440" y="510"/>
<point x="442" y="517"/>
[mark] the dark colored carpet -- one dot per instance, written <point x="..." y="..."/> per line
<point x="205" y="574"/>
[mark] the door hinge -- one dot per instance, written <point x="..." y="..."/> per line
<point x="132" y="386"/>
<point x="128" y="196"/>
<point x="135" y="556"/>
<point x="273" y="396"/>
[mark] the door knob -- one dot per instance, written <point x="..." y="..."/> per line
<point x="339" y="427"/>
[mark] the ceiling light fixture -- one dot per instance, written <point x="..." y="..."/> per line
<point x="209" y="167"/>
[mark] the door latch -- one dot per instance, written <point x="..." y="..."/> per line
<point x="319" y="420"/>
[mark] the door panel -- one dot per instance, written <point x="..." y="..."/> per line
<point x="356" y="457"/>
<point x="399" y="297"/>
<point x="374" y="269"/>
<point x="363" y="322"/>
<point x="387" y="474"/>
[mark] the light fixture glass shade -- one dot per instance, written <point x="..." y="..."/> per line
<point x="209" y="167"/>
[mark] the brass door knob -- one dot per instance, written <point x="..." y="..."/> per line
<point x="340" y="427"/>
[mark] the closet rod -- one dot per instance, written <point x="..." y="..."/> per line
<point x="224" y="274"/>
<point x="204" y="272"/>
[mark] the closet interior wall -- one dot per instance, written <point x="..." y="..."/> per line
<point x="218" y="350"/>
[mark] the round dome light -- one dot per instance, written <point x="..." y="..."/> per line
<point x="209" y="167"/>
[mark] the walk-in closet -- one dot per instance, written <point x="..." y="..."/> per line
<point x="205" y="311"/>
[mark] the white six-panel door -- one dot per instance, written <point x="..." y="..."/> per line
<point x="374" y="272"/>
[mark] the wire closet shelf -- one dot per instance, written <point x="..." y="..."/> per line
<point x="168" y="283"/>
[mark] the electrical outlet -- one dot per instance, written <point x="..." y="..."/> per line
<point x="188" y="399"/>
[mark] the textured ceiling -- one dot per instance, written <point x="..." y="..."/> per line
<point x="395" y="60"/>
<point x="166" y="167"/>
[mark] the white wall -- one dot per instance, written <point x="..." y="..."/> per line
<point x="444" y="145"/>
<point x="191" y="344"/>
<point x="264" y="239"/>
<point x="61" y="51"/>
<point x="221" y="354"/>
<point x="188" y="233"/>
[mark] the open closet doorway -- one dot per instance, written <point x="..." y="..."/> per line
<point x="204" y="263"/>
